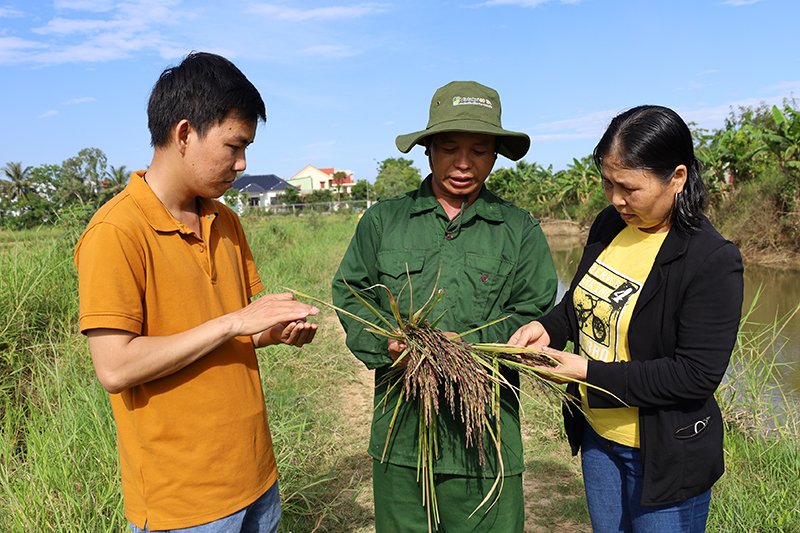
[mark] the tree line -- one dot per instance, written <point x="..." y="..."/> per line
<point x="751" y="168"/>
<point x="32" y="196"/>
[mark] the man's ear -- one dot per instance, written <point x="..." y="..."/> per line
<point x="180" y="135"/>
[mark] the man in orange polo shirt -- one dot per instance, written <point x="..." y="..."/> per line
<point x="166" y="279"/>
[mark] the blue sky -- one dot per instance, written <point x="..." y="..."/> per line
<point x="342" y="79"/>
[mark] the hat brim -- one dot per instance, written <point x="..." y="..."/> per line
<point x="511" y="144"/>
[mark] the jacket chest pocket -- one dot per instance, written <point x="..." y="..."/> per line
<point x="396" y="268"/>
<point x="482" y="285"/>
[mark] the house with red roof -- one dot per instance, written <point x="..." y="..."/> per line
<point x="312" y="178"/>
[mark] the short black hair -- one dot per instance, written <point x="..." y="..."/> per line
<point x="656" y="139"/>
<point x="204" y="89"/>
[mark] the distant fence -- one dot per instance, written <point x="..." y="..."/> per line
<point x="321" y="207"/>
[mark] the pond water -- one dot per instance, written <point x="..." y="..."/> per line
<point x="772" y="293"/>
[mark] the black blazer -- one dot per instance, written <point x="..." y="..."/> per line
<point x="681" y="335"/>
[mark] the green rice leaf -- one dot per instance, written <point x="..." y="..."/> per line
<point x="436" y="322"/>
<point x="492" y="323"/>
<point x="347" y="313"/>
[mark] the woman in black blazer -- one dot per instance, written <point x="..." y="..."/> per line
<point x="653" y="312"/>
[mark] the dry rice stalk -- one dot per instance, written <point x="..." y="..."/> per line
<point x="467" y="376"/>
<point x="435" y="363"/>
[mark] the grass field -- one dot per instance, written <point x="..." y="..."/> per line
<point x="58" y="464"/>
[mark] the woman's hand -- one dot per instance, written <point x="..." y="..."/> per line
<point x="533" y="335"/>
<point x="569" y="366"/>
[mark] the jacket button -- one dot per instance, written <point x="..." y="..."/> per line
<point x="449" y="236"/>
<point x="484" y="277"/>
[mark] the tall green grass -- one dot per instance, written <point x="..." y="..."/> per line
<point x="57" y="447"/>
<point x="759" y="492"/>
<point x="58" y="460"/>
<point x="301" y="385"/>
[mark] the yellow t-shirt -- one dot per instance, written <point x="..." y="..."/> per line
<point x="604" y="301"/>
<point x="194" y="446"/>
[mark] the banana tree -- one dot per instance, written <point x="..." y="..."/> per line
<point x="784" y="144"/>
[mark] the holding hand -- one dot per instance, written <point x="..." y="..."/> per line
<point x="533" y="335"/>
<point x="295" y="333"/>
<point x="396" y="349"/>
<point x="276" y="318"/>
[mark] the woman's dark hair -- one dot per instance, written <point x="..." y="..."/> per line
<point x="656" y="139"/>
<point x="204" y="89"/>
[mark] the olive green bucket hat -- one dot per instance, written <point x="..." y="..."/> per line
<point x="472" y="107"/>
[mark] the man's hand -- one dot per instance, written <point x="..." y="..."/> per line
<point x="396" y="349"/>
<point x="295" y="333"/>
<point x="289" y="316"/>
<point x="123" y="359"/>
<point x="263" y="314"/>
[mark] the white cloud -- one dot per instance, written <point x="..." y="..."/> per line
<point x="522" y="3"/>
<point x="48" y="114"/>
<point x="321" y="13"/>
<point x="14" y="49"/>
<point x="714" y="117"/>
<point x="328" y="50"/>
<point x="323" y="143"/>
<point x="565" y="136"/>
<point x="81" y="100"/>
<point x="69" y="26"/>
<point x="85" y="5"/>
<point x="739" y="2"/>
<point x="590" y="125"/>
<point x="9" y="12"/>
<point x="786" y="87"/>
<point x="122" y="29"/>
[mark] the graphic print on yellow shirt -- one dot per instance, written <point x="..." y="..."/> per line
<point x="604" y="301"/>
<point x="601" y="296"/>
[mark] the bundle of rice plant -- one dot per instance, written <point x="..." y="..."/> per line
<point x="466" y="375"/>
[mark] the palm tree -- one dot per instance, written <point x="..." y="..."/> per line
<point x="118" y="176"/>
<point x="19" y="184"/>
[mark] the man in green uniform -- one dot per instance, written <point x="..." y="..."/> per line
<point x="492" y="261"/>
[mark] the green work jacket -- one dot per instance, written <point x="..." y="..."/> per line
<point x="492" y="261"/>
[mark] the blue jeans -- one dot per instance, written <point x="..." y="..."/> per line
<point x="261" y="516"/>
<point x="612" y="475"/>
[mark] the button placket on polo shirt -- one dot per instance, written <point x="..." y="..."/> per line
<point x="204" y="247"/>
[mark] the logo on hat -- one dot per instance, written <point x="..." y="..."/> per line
<point x="471" y="100"/>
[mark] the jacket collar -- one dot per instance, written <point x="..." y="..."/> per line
<point x="674" y="247"/>
<point x="486" y="206"/>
